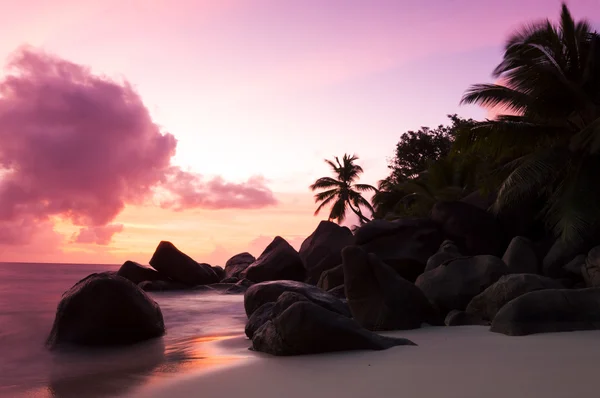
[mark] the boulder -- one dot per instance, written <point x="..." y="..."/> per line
<point x="322" y="249"/>
<point x="520" y="257"/>
<point x="486" y="304"/>
<point x="447" y="251"/>
<point x="549" y="311"/>
<point x="452" y="285"/>
<point x="307" y="328"/>
<point x="279" y="261"/>
<point x="379" y="298"/>
<point x="105" y="309"/>
<point x="332" y="278"/>
<point x="179" y="267"/>
<point x="137" y="273"/>
<point x="258" y="318"/>
<point x="266" y="292"/>
<point x="462" y="318"/>
<point x="405" y="244"/>
<point x="237" y="264"/>
<point x="219" y="271"/>
<point x="590" y="270"/>
<point x="338" y="291"/>
<point x="559" y="255"/>
<point x="474" y="230"/>
<point x="576" y="266"/>
<point x="162" y="286"/>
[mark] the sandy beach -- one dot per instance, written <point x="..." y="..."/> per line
<point x="450" y="362"/>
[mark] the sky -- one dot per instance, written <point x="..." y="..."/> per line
<point x="128" y="122"/>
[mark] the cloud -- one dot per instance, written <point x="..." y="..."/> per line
<point x="100" y="235"/>
<point x="191" y="191"/>
<point x="80" y="147"/>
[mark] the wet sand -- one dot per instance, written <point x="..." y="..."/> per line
<point x="450" y="362"/>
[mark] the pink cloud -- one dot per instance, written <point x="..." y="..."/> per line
<point x="191" y="190"/>
<point x="101" y="235"/>
<point x="80" y="147"/>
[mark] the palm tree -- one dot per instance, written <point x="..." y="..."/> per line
<point x="549" y="144"/>
<point x="341" y="191"/>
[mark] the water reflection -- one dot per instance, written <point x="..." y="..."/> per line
<point x="117" y="372"/>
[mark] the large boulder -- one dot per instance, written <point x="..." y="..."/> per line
<point x="520" y="257"/>
<point x="322" y="249"/>
<point x="486" y="304"/>
<point x="379" y="298"/>
<point x="266" y="292"/>
<point x="462" y="318"/>
<point x="105" y="309"/>
<point x="219" y="271"/>
<point x="474" y="230"/>
<point x="279" y="261"/>
<point x="576" y="267"/>
<point x="266" y="311"/>
<point x="549" y="311"/>
<point x="447" y="251"/>
<point x="237" y="264"/>
<point x="162" y="286"/>
<point x="590" y="270"/>
<point x="137" y="273"/>
<point x="307" y="328"/>
<point x="405" y="245"/>
<point x="180" y="267"/>
<point x="452" y="285"/>
<point x="332" y="278"/>
<point x="258" y="318"/>
<point x="559" y="255"/>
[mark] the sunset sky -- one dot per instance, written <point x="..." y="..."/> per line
<point x="123" y="123"/>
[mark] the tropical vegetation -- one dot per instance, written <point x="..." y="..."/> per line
<point x="543" y="145"/>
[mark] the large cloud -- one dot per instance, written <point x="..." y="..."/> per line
<point x="79" y="146"/>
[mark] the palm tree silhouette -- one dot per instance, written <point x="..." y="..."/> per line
<point x="550" y="144"/>
<point x="341" y="191"/>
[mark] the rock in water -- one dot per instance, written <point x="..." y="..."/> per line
<point x="452" y="285"/>
<point x="322" y="250"/>
<point x="379" y="298"/>
<point x="486" y="304"/>
<point x="461" y="318"/>
<point x="105" y="309"/>
<point x="279" y="261"/>
<point x="162" y="286"/>
<point x="405" y="245"/>
<point x="266" y="311"/>
<point x="306" y="328"/>
<point x="237" y="264"/>
<point x="169" y="261"/>
<point x="447" y="251"/>
<point x="474" y="230"/>
<point x="266" y="292"/>
<point x="548" y="311"/>
<point x="137" y="273"/>
<point x="520" y="257"/>
<point x="258" y="318"/>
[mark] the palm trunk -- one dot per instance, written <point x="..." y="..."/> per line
<point x="361" y="217"/>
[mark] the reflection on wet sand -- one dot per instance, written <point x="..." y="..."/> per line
<point x="117" y="372"/>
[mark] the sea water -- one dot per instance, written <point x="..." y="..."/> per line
<point x="29" y="294"/>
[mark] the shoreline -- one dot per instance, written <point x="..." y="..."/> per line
<point x="449" y="362"/>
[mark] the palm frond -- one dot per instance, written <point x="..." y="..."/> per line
<point x="324" y="183"/>
<point x="325" y="194"/>
<point x="495" y="95"/>
<point x="533" y="174"/>
<point x="324" y="203"/>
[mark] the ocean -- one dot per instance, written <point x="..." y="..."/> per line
<point x="29" y="294"/>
